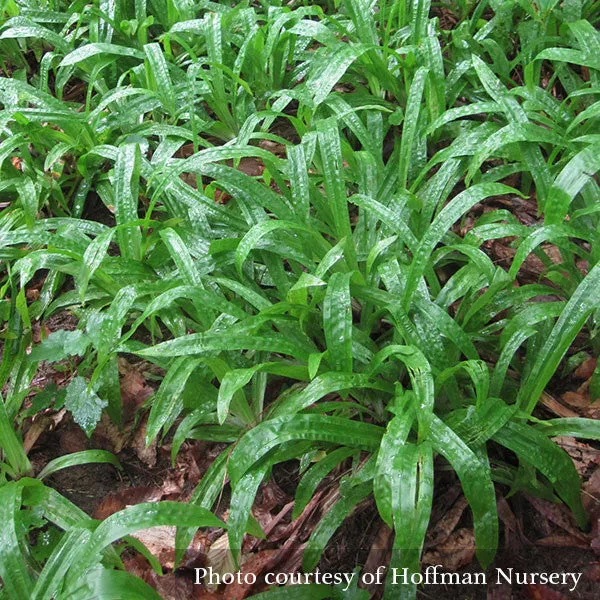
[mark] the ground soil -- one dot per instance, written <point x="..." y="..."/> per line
<point x="88" y="486"/>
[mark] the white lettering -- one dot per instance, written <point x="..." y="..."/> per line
<point x="576" y="577"/>
<point x="501" y="573"/>
<point x="348" y="577"/>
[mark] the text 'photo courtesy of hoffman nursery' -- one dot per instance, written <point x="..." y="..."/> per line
<point x="299" y="299"/>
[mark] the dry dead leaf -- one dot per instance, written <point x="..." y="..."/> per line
<point x="502" y="591"/>
<point x="272" y="496"/>
<point x="563" y="541"/>
<point x="576" y="399"/>
<point x="118" y="501"/>
<point x="556" y="407"/>
<point x="160" y="541"/>
<point x="592" y="573"/>
<point x="557" y="514"/>
<point x="173" y="587"/>
<point x="219" y="557"/>
<point x="456" y="552"/>
<point x="187" y="462"/>
<point x="273" y="147"/>
<point x="583" y="455"/>
<point x="147" y="454"/>
<point x="201" y="593"/>
<point x="591" y="493"/>
<point x="542" y="592"/>
<point x="586" y="369"/>
<point x="134" y="391"/>
<point x="254" y="563"/>
<point x="513" y="534"/>
<point x="109" y="436"/>
<point x="378" y="554"/>
<point x="72" y="440"/>
<point x="446" y="525"/>
<point x="39" y="425"/>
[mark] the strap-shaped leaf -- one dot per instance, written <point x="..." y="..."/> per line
<point x="137" y="517"/>
<point x="577" y="310"/>
<point x="93" y="256"/>
<point x="441" y="224"/>
<point x="327" y="70"/>
<point x="571" y="427"/>
<point x="411" y="122"/>
<point x="84" y="457"/>
<point x="13" y="566"/>
<point x="387" y="480"/>
<point x="299" y="182"/>
<point x="335" y="190"/>
<point x="322" y="385"/>
<point x="126" y="182"/>
<point x="201" y="343"/>
<point x="242" y="499"/>
<point x="532" y="446"/>
<point x="337" y="322"/>
<point x="311" y="479"/>
<point x="412" y="502"/>
<point x="167" y="402"/>
<point x="273" y="432"/>
<point x="421" y="379"/>
<point x="578" y="172"/>
<point x="159" y="78"/>
<point x="350" y="496"/>
<point x="181" y="256"/>
<point x="235" y="380"/>
<point x="253" y="237"/>
<point x="52" y="576"/>
<point x="12" y="447"/>
<point x="475" y="478"/>
<point x="105" y="584"/>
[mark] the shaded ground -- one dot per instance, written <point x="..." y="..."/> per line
<point x="362" y="540"/>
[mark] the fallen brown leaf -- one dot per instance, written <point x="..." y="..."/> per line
<point x="173" y="587"/>
<point x="134" y="392"/>
<point x="36" y="429"/>
<point x="273" y="147"/>
<point x="446" y="525"/>
<point x="273" y="495"/>
<point x="563" y="541"/>
<point x="581" y="400"/>
<point x="203" y="594"/>
<point x="513" y="534"/>
<point x="187" y="462"/>
<point x="219" y="557"/>
<point x="591" y="494"/>
<point x="118" y="501"/>
<point x="556" y="407"/>
<point x="501" y="591"/>
<point x="576" y="399"/>
<point x="160" y="541"/>
<point x="256" y="564"/>
<point x="592" y="573"/>
<point x="73" y="439"/>
<point x="542" y="592"/>
<point x="39" y="425"/>
<point x="583" y="455"/>
<point x="456" y="552"/>
<point x="557" y="514"/>
<point x="110" y="437"/>
<point x="378" y="554"/>
<point x="586" y="369"/>
<point x="147" y="454"/>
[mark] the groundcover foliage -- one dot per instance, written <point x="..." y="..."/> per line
<point x="282" y="187"/>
